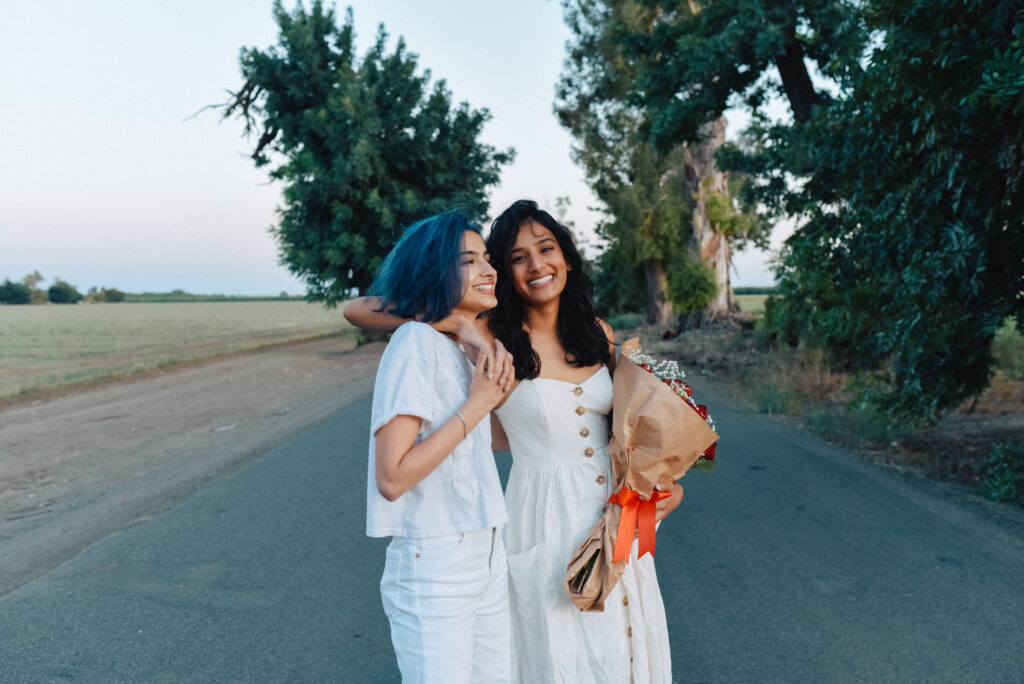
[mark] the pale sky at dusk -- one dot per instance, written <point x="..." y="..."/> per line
<point x="105" y="181"/>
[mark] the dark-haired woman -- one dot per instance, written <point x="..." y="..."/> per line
<point x="555" y="423"/>
<point x="432" y="485"/>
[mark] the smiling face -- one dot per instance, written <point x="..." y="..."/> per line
<point x="479" y="276"/>
<point x="539" y="270"/>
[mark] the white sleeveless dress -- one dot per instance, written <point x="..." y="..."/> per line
<point x="557" y="489"/>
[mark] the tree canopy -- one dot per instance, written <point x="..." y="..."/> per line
<point x="902" y="159"/>
<point x="670" y="217"/>
<point x="363" y="146"/>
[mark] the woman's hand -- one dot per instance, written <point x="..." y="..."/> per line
<point x="492" y="376"/>
<point x="473" y="341"/>
<point x="665" y="506"/>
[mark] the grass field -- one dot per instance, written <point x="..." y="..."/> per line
<point x="751" y="303"/>
<point x="43" y="347"/>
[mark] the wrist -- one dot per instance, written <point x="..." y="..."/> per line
<point x="473" y="413"/>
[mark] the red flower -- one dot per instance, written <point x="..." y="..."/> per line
<point x="710" y="453"/>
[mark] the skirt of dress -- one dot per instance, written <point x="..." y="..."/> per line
<point x="551" y="510"/>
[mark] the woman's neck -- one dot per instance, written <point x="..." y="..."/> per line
<point x="544" y="318"/>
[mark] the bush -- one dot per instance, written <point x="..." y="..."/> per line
<point x="113" y="295"/>
<point x="62" y="293"/>
<point x="1002" y="473"/>
<point x="1008" y="351"/>
<point x="14" y="293"/>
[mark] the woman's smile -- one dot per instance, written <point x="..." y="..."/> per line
<point x="540" y="282"/>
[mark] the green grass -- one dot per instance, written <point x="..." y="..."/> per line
<point x="751" y="303"/>
<point x="42" y="347"/>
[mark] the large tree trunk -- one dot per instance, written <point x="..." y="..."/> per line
<point x="659" y="308"/>
<point x="707" y="244"/>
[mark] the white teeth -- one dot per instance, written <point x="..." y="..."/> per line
<point x="541" y="281"/>
<point x="484" y="288"/>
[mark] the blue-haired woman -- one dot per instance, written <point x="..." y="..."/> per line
<point x="432" y="485"/>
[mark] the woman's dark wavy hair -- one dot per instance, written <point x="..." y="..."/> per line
<point x="421" y="277"/>
<point x="578" y="330"/>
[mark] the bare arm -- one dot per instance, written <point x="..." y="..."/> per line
<point x="365" y="313"/>
<point x="499" y="440"/>
<point x="400" y="463"/>
<point x="610" y="335"/>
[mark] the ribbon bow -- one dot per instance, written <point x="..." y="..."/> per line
<point x="637" y="514"/>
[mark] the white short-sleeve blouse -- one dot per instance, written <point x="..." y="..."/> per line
<point x="425" y="374"/>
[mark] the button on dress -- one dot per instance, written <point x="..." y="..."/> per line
<point x="559" y="483"/>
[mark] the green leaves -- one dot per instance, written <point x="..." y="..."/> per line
<point x="904" y="167"/>
<point x="363" y="146"/>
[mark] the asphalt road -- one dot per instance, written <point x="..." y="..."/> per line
<point x="794" y="562"/>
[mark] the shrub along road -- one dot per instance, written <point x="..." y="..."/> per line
<point x="794" y="561"/>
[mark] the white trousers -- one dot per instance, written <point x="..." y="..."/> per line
<point x="447" y="601"/>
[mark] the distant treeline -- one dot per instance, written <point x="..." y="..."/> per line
<point x="28" y="292"/>
<point x="765" y="290"/>
<point x="177" y="296"/>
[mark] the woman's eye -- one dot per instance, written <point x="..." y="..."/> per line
<point x="518" y="259"/>
<point x="545" y="250"/>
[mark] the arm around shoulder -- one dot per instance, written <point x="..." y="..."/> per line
<point x="367" y="313"/>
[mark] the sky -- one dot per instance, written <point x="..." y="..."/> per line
<point x="108" y="180"/>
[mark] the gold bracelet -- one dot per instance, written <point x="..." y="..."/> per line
<point x="465" y="427"/>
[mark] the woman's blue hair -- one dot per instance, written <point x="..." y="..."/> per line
<point x="421" y="277"/>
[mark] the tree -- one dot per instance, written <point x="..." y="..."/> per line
<point x="905" y="170"/>
<point x="657" y="202"/>
<point x="63" y="293"/>
<point x="31" y="280"/>
<point x="14" y="293"/>
<point x="363" y="146"/>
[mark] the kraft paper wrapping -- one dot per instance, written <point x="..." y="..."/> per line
<point x="656" y="438"/>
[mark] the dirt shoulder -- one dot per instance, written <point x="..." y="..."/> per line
<point x="77" y="468"/>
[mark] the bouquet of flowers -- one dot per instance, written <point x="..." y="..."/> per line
<point x="658" y="433"/>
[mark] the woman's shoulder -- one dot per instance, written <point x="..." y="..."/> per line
<point x="416" y="339"/>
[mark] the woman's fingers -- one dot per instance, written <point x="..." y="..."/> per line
<point x="510" y="374"/>
<point x="504" y="361"/>
<point x="487" y="361"/>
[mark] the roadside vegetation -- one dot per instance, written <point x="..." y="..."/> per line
<point x="979" y="442"/>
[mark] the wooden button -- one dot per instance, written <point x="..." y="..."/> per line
<point x="588" y="452"/>
<point x="585" y="432"/>
<point x="600" y="479"/>
<point x="629" y="631"/>
<point x="580" y="410"/>
<point x="578" y="391"/>
<point x="625" y="601"/>
<point x="417" y="555"/>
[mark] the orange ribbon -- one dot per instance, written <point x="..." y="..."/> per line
<point x="637" y="515"/>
